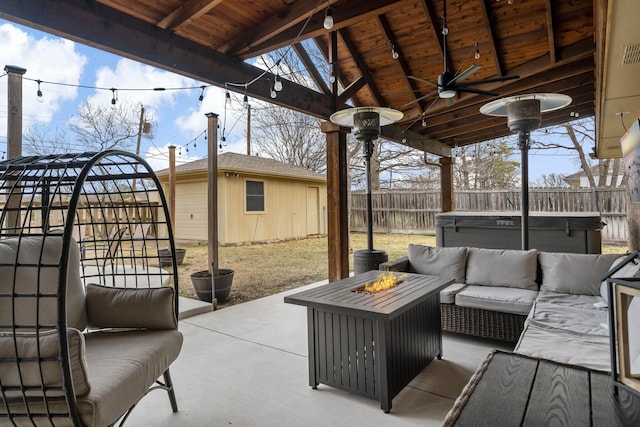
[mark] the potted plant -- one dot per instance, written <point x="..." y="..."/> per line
<point x="220" y="282"/>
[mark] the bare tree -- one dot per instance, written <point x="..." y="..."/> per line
<point x="578" y="136"/>
<point x="38" y="140"/>
<point x="290" y="137"/>
<point x="552" y="180"/>
<point x="485" y="165"/>
<point x="102" y="127"/>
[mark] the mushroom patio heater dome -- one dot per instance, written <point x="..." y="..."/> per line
<point x="366" y="122"/>
<point x="523" y="114"/>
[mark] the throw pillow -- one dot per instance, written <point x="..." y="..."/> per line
<point x="501" y="267"/>
<point x="443" y="262"/>
<point x="578" y="274"/>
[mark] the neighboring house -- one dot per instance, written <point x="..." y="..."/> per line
<point x="259" y="200"/>
<point x="580" y="180"/>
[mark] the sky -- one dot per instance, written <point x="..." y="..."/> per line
<point x="177" y="115"/>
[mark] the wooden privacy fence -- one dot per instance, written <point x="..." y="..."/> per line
<point x="414" y="211"/>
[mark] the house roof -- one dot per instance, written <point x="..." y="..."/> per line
<point x="595" y="171"/>
<point x="234" y="162"/>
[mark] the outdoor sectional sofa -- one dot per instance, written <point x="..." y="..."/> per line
<point x="552" y="304"/>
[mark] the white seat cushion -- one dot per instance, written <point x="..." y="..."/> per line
<point x="494" y="298"/>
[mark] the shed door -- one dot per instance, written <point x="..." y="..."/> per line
<point x="313" y="217"/>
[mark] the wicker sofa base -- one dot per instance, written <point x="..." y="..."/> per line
<point x="482" y="323"/>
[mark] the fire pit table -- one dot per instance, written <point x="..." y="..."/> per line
<point x="372" y="344"/>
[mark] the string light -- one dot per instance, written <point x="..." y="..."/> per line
<point x="114" y="96"/>
<point x="328" y="18"/>
<point x="273" y="93"/>
<point x="477" y="55"/>
<point x="227" y="96"/>
<point x="424" y="123"/>
<point x="201" y="97"/>
<point x="39" y="92"/>
<point x="277" y="84"/>
<point x="394" y="52"/>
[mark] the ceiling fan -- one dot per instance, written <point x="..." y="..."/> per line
<point x="448" y="83"/>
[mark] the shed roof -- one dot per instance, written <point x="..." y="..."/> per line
<point x="234" y="162"/>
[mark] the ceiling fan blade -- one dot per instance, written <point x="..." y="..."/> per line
<point x="476" y="91"/>
<point x="423" y="80"/>
<point x="492" y="80"/>
<point x="465" y="74"/>
<point x="418" y="99"/>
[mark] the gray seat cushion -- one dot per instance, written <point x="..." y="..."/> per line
<point x="122" y="366"/>
<point x="506" y="300"/>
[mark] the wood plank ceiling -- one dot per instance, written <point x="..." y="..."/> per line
<point x="549" y="44"/>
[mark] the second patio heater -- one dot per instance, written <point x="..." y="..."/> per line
<point x="523" y="114"/>
<point x="366" y="122"/>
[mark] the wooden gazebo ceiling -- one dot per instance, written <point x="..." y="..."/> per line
<point x="549" y="44"/>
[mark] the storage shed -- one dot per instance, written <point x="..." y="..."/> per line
<point x="259" y="200"/>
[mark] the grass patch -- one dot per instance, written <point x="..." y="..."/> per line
<point x="266" y="269"/>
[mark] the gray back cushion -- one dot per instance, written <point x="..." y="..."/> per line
<point x="501" y="267"/>
<point x="443" y="262"/>
<point x="29" y="264"/>
<point x="578" y="274"/>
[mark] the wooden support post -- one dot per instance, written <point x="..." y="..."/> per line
<point x="212" y="205"/>
<point x="14" y="116"/>
<point x="446" y="184"/>
<point x="337" y="206"/>
<point x="172" y="188"/>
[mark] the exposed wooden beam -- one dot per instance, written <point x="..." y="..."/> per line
<point x="491" y="37"/>
<point x="435" y="29"/>
<point x="348" y="14"/>
<point x="105" y="28"/>
<point x="296" y="13"/>
<point x="550" y="34"/>
<point x="404" y="66"/>
<point x="186" y="12"/>
<point x="351" y="90"/>
<point x="311" y="68"/>
<point x="366" y="75"/>
<point x="401" y="135"/>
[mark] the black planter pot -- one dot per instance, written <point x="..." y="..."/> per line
<point x="165" y="256"/>
<point x="201" y="281"/>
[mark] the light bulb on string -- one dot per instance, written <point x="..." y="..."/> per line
<point x="180" y="151"/>
<point x="273" y="93"/>
<point x="201" y="97"/>
<point x="39" y="92"/>
<point x="328" y="19"/>
<point x="445" y="30"/>
<point x="227" y="97"/>
<point x="477" y="54"/>
<point x="424" y="123"/>
<point x="277" y="84"/>
<point x="114" y="96"/>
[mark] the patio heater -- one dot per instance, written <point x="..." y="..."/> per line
<point x="366" y="122"/>
<point x="523" y="114"/>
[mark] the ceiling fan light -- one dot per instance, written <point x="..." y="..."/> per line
<point x="447" y="93"/>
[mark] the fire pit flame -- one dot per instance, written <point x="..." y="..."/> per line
<point x="385" y="281"/>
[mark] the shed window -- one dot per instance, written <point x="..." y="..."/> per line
<point x="255" y="196"/>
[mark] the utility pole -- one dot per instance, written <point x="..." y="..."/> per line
<point x="135" y="167"/>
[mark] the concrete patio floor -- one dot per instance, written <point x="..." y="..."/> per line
<point x="246" y="365"/>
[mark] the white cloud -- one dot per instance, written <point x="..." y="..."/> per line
<point x="47" y="58"/>
<point x="129" y="74"/>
